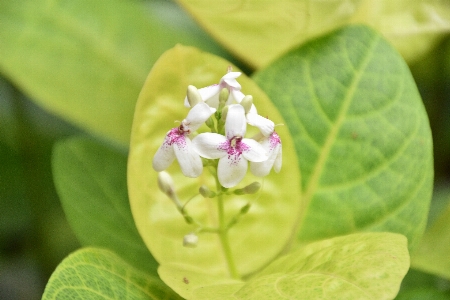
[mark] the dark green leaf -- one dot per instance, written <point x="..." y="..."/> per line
<point x="91" y="181"/>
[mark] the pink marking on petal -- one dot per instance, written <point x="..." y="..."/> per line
<point x="177" y="136"/>
<point x="274" y="140"/>
<point x="234" y="148"/>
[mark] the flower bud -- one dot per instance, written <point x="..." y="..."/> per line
<point x="165" y="183"/>
<point x="190" y="240"/>
<point x="247" y="103"/>
<point x="193" y="95"/>
<point x="206" y="192"/>
<point x="210" y="123"/>
<point x="223" y="97"/>
<point x="245" y="208"/>
<point x="223" y="118"/>
<point x="249" y="189"/>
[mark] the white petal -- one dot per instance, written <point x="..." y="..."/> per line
<point x="198" y="115"/>
<point x="210" y="145"/>
<point x="262" y="169"/>
<point x="254" y="151"/>
<point x="231" y="170"/>
<point x="265" y="125"/>
<point x="236" y="95"/>
<point x="164" y="156"/>
<point x="230" y="79"/>
<point x="278" y="161"/>
<point x="207" y="93"/>
<point x="190" y="162"/>
<point x="235" y="124"/>
<point x="253" y="110"/>
<point x="210" y="95"/>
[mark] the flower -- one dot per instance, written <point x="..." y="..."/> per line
<point x="177" y="144"/>
<point x="265" y="125"/>
<point x="232" y="150"/>
<point x="272" y="144"/>
<point x="210" y="94"/>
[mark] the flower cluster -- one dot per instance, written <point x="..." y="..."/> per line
<point x="232" y="111"/>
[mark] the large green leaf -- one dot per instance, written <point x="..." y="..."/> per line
<point x="92" y="273"/>
<point x="260" y="31"/>
<point x="87" y="60"/>
<point x="261" y="233"/>
<point x="91" y="181"/>
<point x="361" y="133"/>
<point x="357" y="266"/>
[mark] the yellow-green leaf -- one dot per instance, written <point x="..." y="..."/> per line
<point x="261" y="233"/>
<point x="260" y="31"/>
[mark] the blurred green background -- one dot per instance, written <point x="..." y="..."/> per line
<point x="34" y="234"/>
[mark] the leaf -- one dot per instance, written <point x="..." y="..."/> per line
<point x="357" y="266"/>
<point x="422" y="286"/>
<point x="433" y="252"/>
<point x="260" y="31"/>
<point x="86" y="60"/>
<point x="90" y="179"/>
<point x="361" y="134"/>
<point x="92" y="273"/>
<point x="258" y="236"/>
<point x="188" y="280"/>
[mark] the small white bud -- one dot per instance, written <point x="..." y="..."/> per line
<point x="165" y="183"/>
<point x="193" y="95"/>
<point x="190" y="240"/>
<point x="167" y="186"/>
<point x="247" y="102"/>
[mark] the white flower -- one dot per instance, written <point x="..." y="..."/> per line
<point x="177" y="144"/>
<point x="272" y="144"/>
<point x="210" y="94"/>
<point x="232" y="150"/>
<point x="265" y="125"/>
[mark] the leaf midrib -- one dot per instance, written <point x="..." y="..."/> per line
<point x="327" y="146"/>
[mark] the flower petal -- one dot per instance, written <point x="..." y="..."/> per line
<point x="235" y="124"/>
<point x="207" y="93"/>
<point x="231" y="170"/>
<point x="208" y="145"/>
<point x="265" y="125"/>
<point x="198" y="115"/>
<point x="164" y="156"/>
<point x="190" y="162"/>
<point x="230" y="79"/>
<point x="236" y="96"/>
<point x="262" y="169"/>
<point x="254" y="151"/>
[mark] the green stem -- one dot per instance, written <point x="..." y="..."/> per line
<point x="223" y="235"/>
